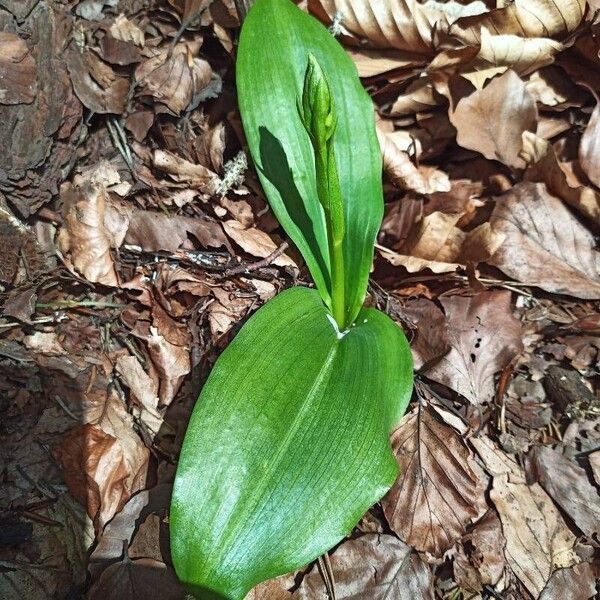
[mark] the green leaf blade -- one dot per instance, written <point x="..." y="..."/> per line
<point x="273" y="53"/>
<point x="288" y="444"/>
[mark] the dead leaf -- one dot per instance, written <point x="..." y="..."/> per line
<point x="537" y="538"/>
<point x="274" y="589"/>
<point x="568" y="485"/>
<point x="372" y="566"/>
<point x="135" y="579"/>
<point x="484" y="337"/>
<point x="589" y="148"/>
<point x="492" y="121"/>
<point x="255" y="242"/>
<point x="544" y="244"/>
<point x="480" y="559"/>
<point x="430" y="340"/>
<point x="175" y="78"/>
<point x="440" y="491"/>
<point x="575" y="583"/>
<point x="543" y="166"/>
<point x="126" y="31"/>
<point x="17" y="70"/>
<point x="182" y="170"/>
<point x="98" y="87"/>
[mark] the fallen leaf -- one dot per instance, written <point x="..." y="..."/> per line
<point x="440" y="491"/>
<point x="492" y="121"/>
<point x="175" y="77"/>
<point x="135" y="579"/>
<point x="543" y="166"/>
<point x="126" y="31"/>
<point x="480" y="560"/>
<point x="182" y="170"/>
<point x="255" y="242"/>
<point x="537" y="539"/>
<point x="274" y="589"/>
<point x="575" y="583"/>
<point x="17" y="70"/>
<point x="568" y="485"/>
<point x="484" y="338"/>
<point x="98" y="87"/>
<point x="589" y="148"/>
<point x="372" y="566"/>
<point x="544" y="244"/>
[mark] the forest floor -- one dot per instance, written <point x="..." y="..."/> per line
<point x="136" y="241"/>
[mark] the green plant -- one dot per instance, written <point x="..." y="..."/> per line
<point x="288" y="444"/>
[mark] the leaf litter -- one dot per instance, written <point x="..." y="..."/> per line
<point x="136" y="241"/>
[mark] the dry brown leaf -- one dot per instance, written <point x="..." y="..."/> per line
<point x="404" y="173"/>
<point x="98" y="87"/>
<point x="575" y="583"/>
<point x="135" y="579"/>
<point x="404" y="25"/>
<point x="154" y="231"/>
<point x="492" y="121"/>
<point x="568" y="485"/>
<point x="544" y="244"/>
<point x="419" y="96"/>
<point x="182" y="170"/>
<point x="175" y="78"/>
<point x="440" y="491"/>
<point x="126" y="31"/>
<point x="543" y="166"/>
<point x="255" y="242"/>
<point x="537" y="539"/>
<point x="373" y="566"/>
<point x="104" y="460"/>
<point x="17" y="70"/>
<point x="274" y="589"/>
<point x="589" y="148"/>
<point x="430" y="341"/>
<point x="525" y="18"/>
<point x="484" y="337"/>
<point x="84" y="239"/>
<point x="480" y="558"/>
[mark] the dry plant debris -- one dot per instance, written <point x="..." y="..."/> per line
<point x="136" y="240"/>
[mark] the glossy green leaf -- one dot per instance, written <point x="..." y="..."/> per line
<point x="275" y="43"/>
<point x="288" y="444"/>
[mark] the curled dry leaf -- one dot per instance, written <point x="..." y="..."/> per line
<point x="104" y="460"/>
<point x="175" y="77"/>
<point x="484" y="338"/>
<point x="568" y="485"/>
<point x="492" y="121"/>
<point x="255" y="242"/>
<point x="372" y="566"/>
<point x="84" y="238"/>
<point x="589" y="148"/>
<point x="404" y="173"/>
<point x="184" y="171"/>
<point x="480" y="560"/>
<point x="440" y="491"/>
<point x="98" y="87"/>
<point x="273" y="589"/>
<point x="543" y="166"/>
<point x="544" y="245"/>
<point x="17" y="70"/>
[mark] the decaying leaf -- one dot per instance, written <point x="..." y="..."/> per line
<point x="372" y="566"/>
<point x="576" y="583"/>
<point x="484" y="337"/>
<point x="544" y="245"/>
<point x="589" y="148"/>
<point x="176" y="77"/>
<point x="440" y="491"/>
<point x="492" y="120"/>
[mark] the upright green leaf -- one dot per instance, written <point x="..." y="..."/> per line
<point x="288" y="444"/>
<point x="275" y="43"/>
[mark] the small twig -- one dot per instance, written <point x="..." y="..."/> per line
<point x="326" y="571"/>
<point x="260" y="264"/>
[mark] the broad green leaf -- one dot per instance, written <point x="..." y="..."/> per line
<point x="288" y="444"/>
<point x="275" y="43"/>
